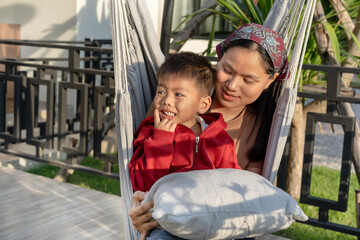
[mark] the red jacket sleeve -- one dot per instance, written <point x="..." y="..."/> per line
<point x="229" y="157"/>
<point x="153" y="153"/>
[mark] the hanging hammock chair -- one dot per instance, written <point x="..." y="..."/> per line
<point x="137" y="55"/>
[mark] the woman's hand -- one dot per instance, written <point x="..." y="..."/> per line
<point x="140" y="215"/>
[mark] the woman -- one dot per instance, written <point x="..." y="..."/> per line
<point x="252" y="65"/>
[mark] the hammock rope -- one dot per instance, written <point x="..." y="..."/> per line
<point x="119" y="31"/>
<point x="137" y="55"/>
<point x="286" y="104"/>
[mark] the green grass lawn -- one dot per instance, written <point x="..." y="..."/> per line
<point x="325" y="183"/>
<point x="83" y="179"/>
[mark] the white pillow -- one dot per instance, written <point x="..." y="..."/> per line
<point x="221" y="204"/>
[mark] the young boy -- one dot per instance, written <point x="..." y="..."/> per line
<point x="177" y="138"/>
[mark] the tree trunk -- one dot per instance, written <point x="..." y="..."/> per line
<point x="322" y="39"/>
<point x="353" y="50"/>
<point x="343" y="16"/>
<point x="181" y="37"/>
<point x="293" y="182"/>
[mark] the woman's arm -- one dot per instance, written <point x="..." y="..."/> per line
<point x="140" y="215"/>
<point x="256" y="167"/>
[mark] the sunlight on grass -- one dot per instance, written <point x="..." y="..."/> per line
<point x="45" y="171"/>
<point x="327" y="186"/>
<point x="83" y="179"/>
<point x="300" y="231"/>
<point x="328" y="180"/>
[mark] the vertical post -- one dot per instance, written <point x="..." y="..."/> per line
<point x="74" y="62"/>
<point x="333" y="90"/>
<point x="357" y="204"/>
<point x="84" y="121"/>
<point x="61" y="115"/>
<point x="2" y="105"/>
<point x="98" y="117"/>
<point x="166" y="26"/>
<point x="50" y="109"/>
<point x="323" y="214"/>
<point x="17" y="104"/>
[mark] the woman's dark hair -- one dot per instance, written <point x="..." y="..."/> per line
<point x="264" y="106"/>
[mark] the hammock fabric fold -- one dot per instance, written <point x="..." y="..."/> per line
<point x="137" y="56"/>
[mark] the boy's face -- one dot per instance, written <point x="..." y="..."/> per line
<point x="179" y="100"/>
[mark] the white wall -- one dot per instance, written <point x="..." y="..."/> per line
<point x="156" y="9"/>
<point x="65" y="20"/>
<point x="75" y="20"/>
<point x="72" y="20"/>
<point x="41" y="20"/>
<point x="93" y="19"/>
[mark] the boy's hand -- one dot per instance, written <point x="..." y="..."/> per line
<point x="165" y="124"/>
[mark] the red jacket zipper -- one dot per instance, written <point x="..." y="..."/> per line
<point x="197" y="139"/>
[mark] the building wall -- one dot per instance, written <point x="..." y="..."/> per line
<point x="93" y="19"/>
<point x="41" y="20"/>
<point x="72" y="20"/>
<point x="65" y="20"/>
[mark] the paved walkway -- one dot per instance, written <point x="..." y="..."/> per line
<point x="35" y="207"/>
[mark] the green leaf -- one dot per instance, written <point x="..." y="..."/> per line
<point x="227" y="17"/>
<point x="187" y="18"/>
<point x="354" y="58"/>
<point x="265" y="6"/>
<point x="352" y="36"/>
<point x="254" y="13"/>
<point x="233" y="8"/>
<point x="211" y="36"/>
<point x="333" y="39"/>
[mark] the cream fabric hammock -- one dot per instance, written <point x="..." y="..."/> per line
<point x="137" y="55"/>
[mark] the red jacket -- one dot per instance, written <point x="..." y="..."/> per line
<point x="158" y="153"/>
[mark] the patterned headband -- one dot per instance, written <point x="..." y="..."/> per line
<point x="265" y="37"/>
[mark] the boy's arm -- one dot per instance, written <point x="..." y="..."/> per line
<point x="153" y="153"/>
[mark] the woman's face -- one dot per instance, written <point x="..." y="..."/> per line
<point x="241" y="78"/>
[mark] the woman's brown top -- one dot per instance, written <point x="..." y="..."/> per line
<point x="241" y="129"/>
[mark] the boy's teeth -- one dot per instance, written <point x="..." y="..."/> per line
<point x="169" y="113"/>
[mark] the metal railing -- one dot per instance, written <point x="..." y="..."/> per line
<point x="334" y="98"/>
<point x="88" y="75"/>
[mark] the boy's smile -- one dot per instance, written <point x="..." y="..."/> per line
<point x="167" y="114"/>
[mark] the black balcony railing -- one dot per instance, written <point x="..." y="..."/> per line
<point x="334" y="99"/>
<point x="87" y="74"/>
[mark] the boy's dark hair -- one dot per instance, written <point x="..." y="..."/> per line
<point x="191" y="66"/>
